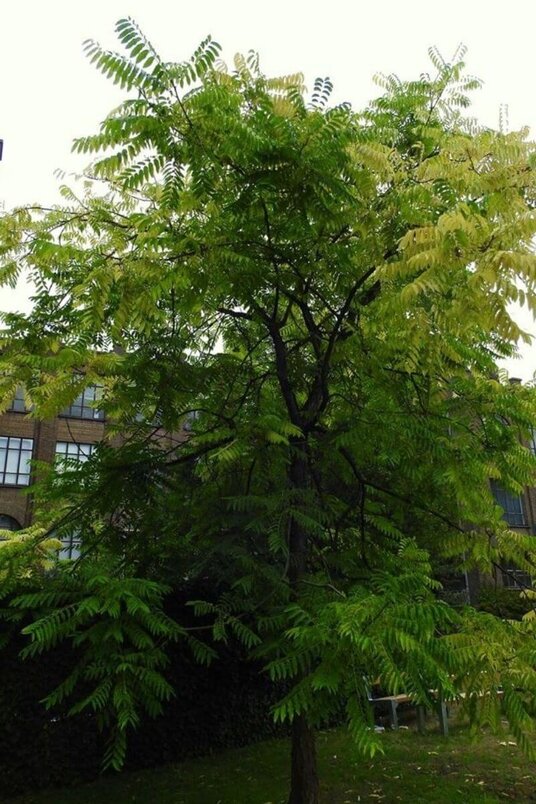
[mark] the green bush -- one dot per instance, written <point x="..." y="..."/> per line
<point x="225" y="705"/>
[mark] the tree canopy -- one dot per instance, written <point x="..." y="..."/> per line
<point x="313" y="300"/>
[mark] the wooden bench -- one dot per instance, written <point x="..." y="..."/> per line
<point x="393" y="701"/>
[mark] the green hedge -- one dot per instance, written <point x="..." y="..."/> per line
<point x="225" y="705"/>
<point x="38" y="748"/>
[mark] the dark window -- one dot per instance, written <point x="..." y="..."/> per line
<point x="511" y="504"/>
<point x="15" y="457"/>
<point x="8" y="523"/>
<point x="514" y="578"/>
<point x="68" y="452"/>
<point x="83" y="406"/>
<point x="18" y="405"/>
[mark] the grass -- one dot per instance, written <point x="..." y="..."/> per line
<point x="414" y="768"/>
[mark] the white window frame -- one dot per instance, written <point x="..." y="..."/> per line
<point x="69" y="453"/>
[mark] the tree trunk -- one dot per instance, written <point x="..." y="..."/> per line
<point x="303" y="774"/>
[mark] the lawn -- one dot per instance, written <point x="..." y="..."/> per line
<point x="430" y="768"/>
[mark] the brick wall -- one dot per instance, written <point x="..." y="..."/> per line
<point x="16" y="501"/>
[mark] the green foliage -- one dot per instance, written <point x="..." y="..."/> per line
<point x="320" y="295"/>
<point x="213" y="708"/>
<point x="120" y="628"/>
<point x="510" y="604"/>
<point x="24" y="557"/>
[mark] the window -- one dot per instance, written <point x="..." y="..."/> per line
<point x="514" y="578"/>
<point x="189" y="420"/>
<point x="511" y="504"/>
<point x="68" y="452"/>
<point x="18" y="405"/>
<point x="71" y="547"/>
<point x="83" y="406"/>
<point x="8" y="523"/>
<point x="15" y="457"/>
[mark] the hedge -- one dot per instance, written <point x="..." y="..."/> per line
<point x="225" y="705"/>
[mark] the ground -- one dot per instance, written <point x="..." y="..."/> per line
<point x="414" y="768"/>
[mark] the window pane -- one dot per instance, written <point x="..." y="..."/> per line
<point x="18" y="404"/>
<point x="515" y="578"/>
<point x="15" y="457"/>
<point x="69" y="451"/>
<point x="83" y="406"/>
<point x="71" y="547"/>
<point x="8" y="523"/>
<point x="24" y="464"/>
<point x="511" y="504"/>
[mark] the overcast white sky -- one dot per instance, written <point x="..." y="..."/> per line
<point x="49" y="93"/>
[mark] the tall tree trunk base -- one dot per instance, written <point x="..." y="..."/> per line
<point x="304" y="777"/>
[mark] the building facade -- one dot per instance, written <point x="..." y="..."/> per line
<point x="74" y="433"/>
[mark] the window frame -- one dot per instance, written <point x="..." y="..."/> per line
<point x="502" y="495"/>
<point x="18" y="398"/>
<point x="83" y="403"/>
<point x="71" y="547"/>
<point x="73" y="453"/>
<point x="26" y="476"/>
<point x="8" y="519"/>
<point x="515" y="578"/>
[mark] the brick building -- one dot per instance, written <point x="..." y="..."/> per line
<point x="72" y="434"/>
<point x="520" y="514"/>
<point x="75" y="431"/>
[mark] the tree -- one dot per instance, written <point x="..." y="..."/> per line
<point x="321" y="294"/>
